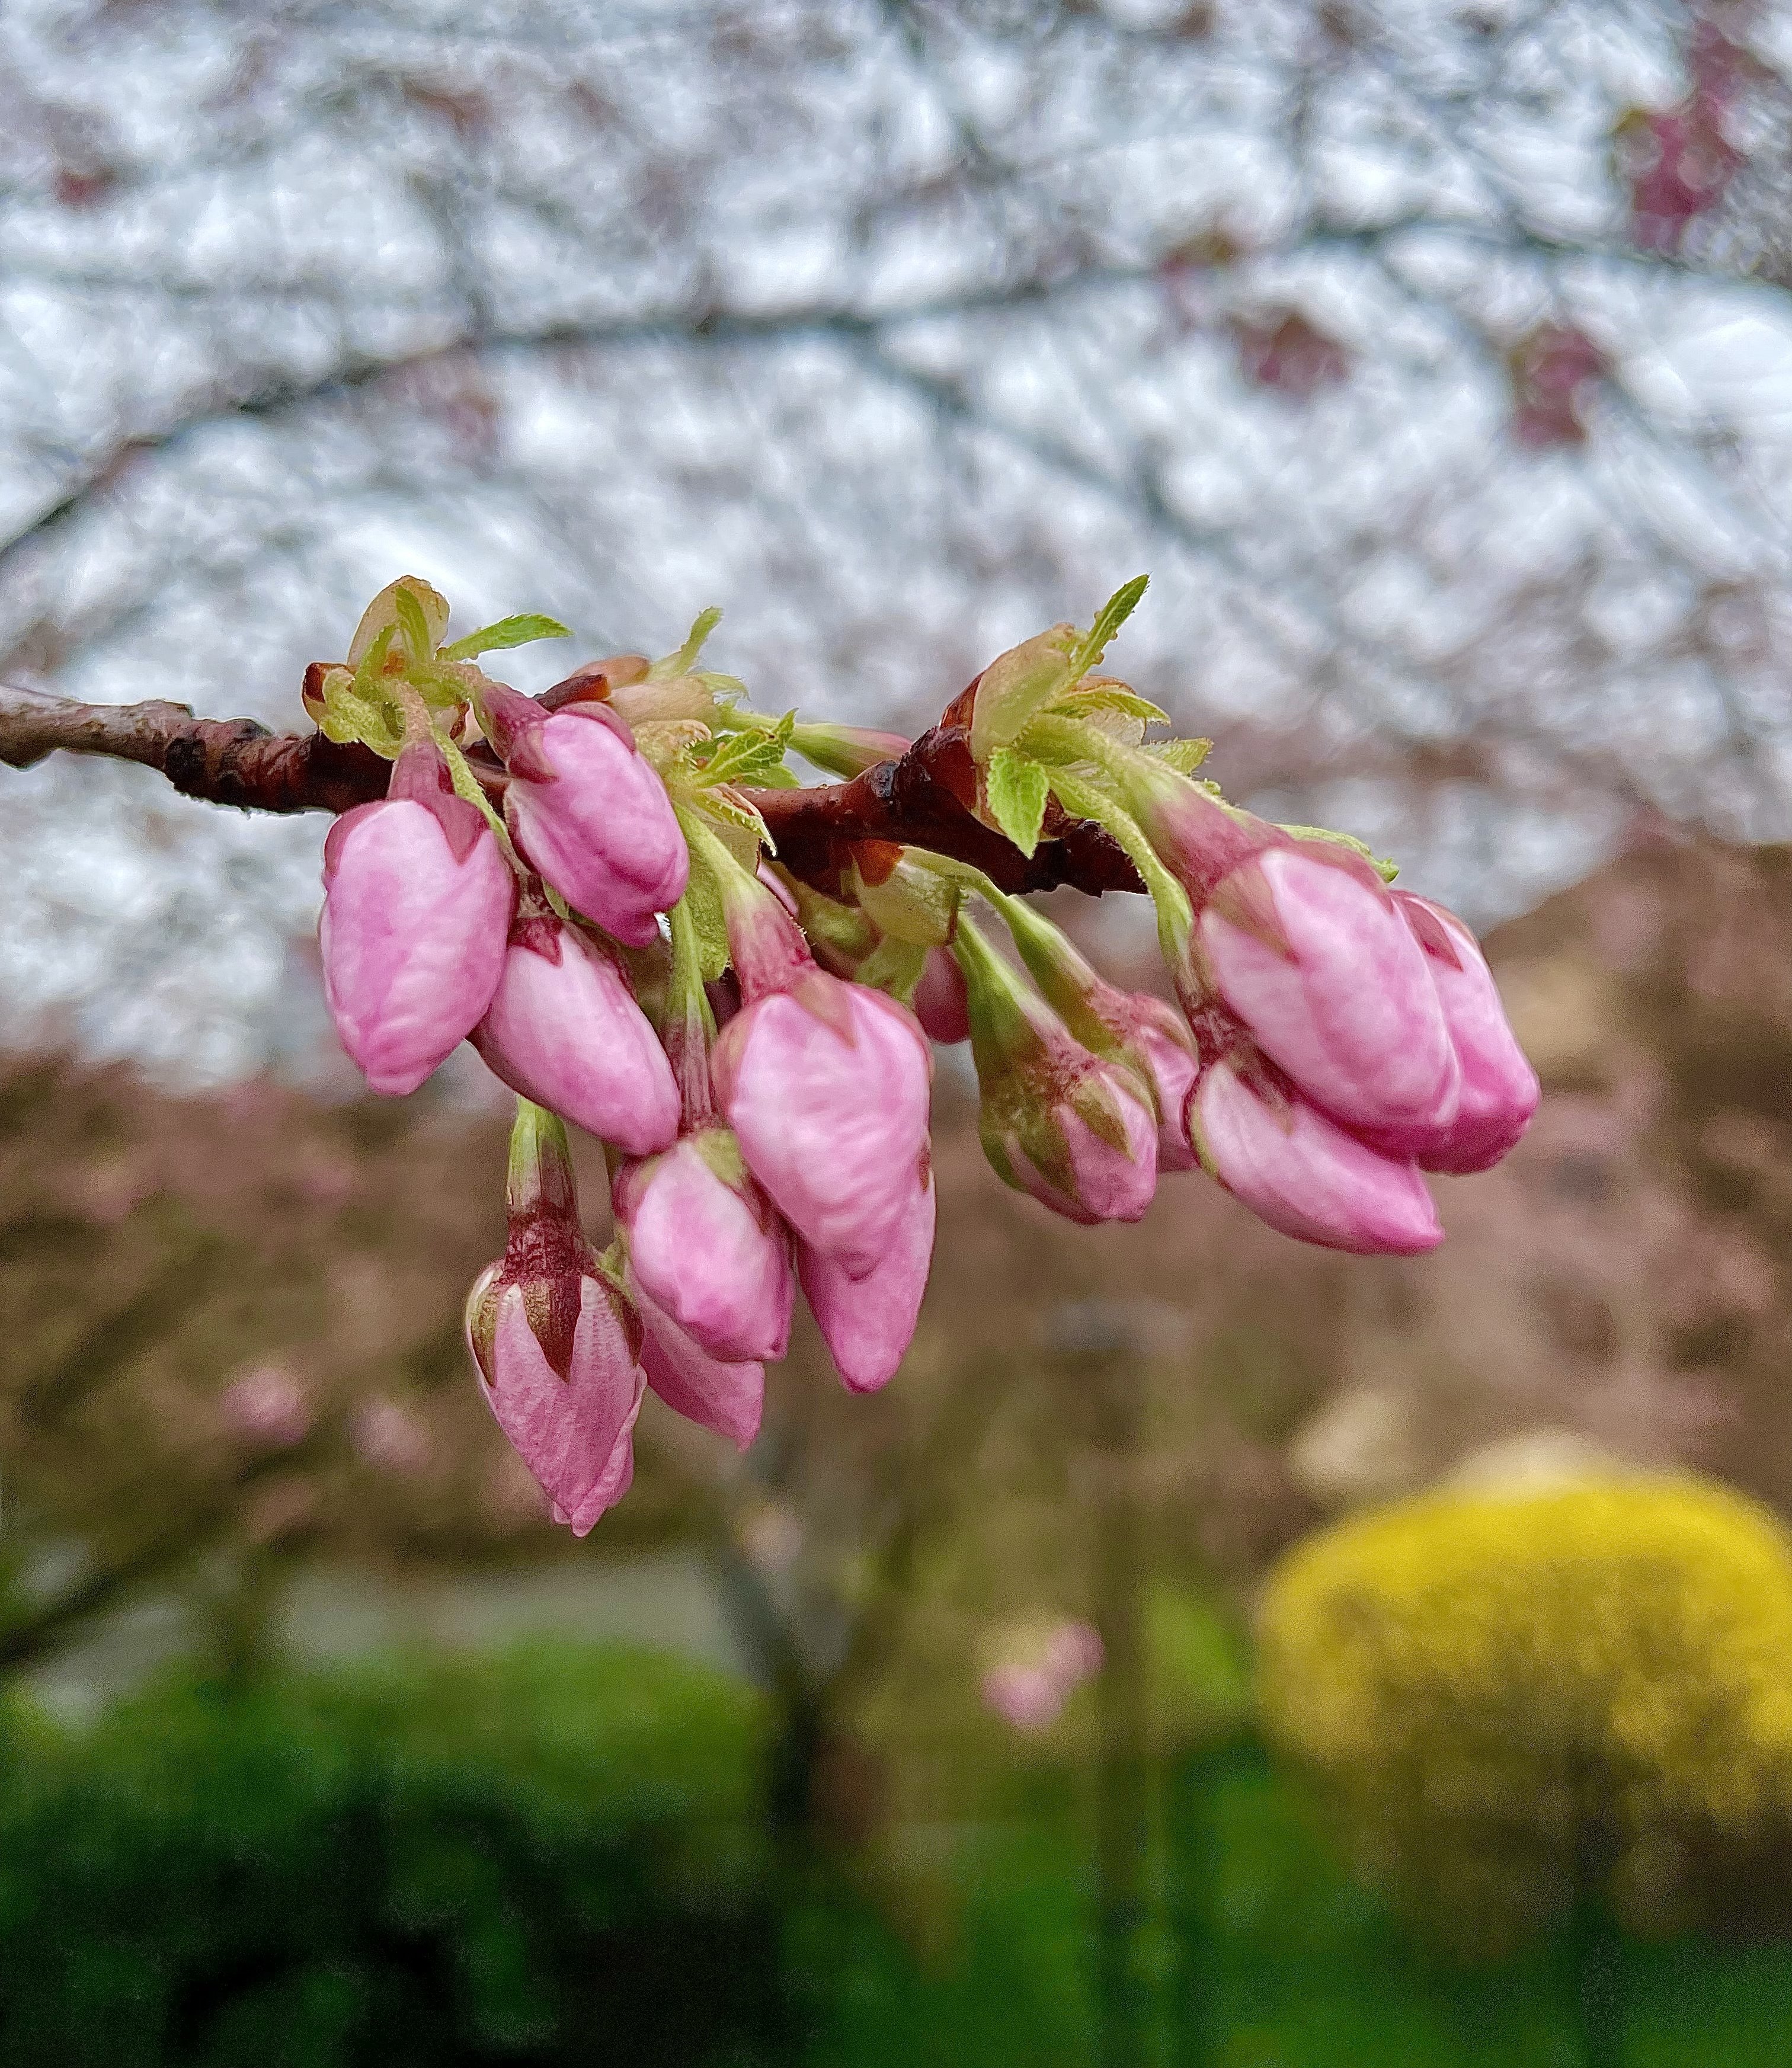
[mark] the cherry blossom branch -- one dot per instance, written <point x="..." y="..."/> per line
<point x="923" y="800"/>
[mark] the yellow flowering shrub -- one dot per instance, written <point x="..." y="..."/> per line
<point x="1512" y="1696"/>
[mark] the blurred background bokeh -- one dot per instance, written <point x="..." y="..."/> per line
<point x="1208" y="1650"/>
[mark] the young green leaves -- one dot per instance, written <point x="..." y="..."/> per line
<point x="398" y="674"/>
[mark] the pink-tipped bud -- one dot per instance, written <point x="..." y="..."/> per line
<point x="1156" y="1034"/>
<point x="727" y="1397"/>
<point x="827" y="1087"/>
<point x="1128" y="1027"/>
<point x="563" y="1030"/>
<point x="706" y="1247"/>
<point x="941" y="1002"/>
<point x="1500" y="1090"/>
<point x="416" y="905"/>
<point x="1307" y="948"/>
<point x="868" y="1323"/>
<point x="588" y="812"/>
<point x="1056" y="1120"/>
<point x="1304" y="1175"/>
<point x="555" y="1343"/>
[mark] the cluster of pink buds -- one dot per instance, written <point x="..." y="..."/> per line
<point x="584" y="889"/>
<point x="1338" y="1037"/>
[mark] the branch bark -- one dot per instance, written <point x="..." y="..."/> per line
<point x="924" y="799"/>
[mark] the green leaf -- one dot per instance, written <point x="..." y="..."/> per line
<point x="371" y="664"/>
<point x="1184" y="756"/>
<point x="348" y="715"/>
<point x="1110" y="696"/>
<point x="751" y="757"/>
<point x="893" y="966"/>
<point x="413" y="625"/>
<point x="1015" y="788"/>
<point x="507" y="632"/>
<point x="682" y="662"/>
<point x="731" y="809"/>
<point x="1108" y="619"/>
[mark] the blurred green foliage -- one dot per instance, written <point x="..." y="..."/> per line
<point x="1524" y="1700"/>
<point x="1283" y="1961"/>
<point x="555" y="1857"/>
<point x="561" y="1855"/>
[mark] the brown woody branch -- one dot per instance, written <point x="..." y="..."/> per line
<point x="923" y="800"/>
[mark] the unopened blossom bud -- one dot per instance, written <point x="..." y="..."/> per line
<point x="1302" y="942"/>
<point x="1131" y="1025"/>
<point x="826" y="1083"/>
<point x="868" y="1323"/>
<point x="1309" y="949"/>
<point x="1500" y="1090"/>
<point x="728" y="1397"/>
<point x="1304" y="1175"/>
<point x="555" y="1341"/>
<point x="417" y="906"/>
<point x="587" y="812"/>
<point x="563" y="1030"/>
<point x="706" y="1247"/>
<point x="941" y="1003"/>
<point x="1056" y="1120"/>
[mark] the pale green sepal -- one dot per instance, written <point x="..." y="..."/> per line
<point x="1384" y="867"/>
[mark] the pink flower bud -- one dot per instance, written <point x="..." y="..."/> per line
<point x="1500" y="1090"/>
<point x="706" y="1248"/>
<point x="727" y="1397"/>
<point x="1309" y="949"/>
<point x="868" y="1323"/>
<point x="588" y="812"/>
<point x="941" y="1005"/>
<point x="567" y="1403"/>
<point x="826" y="1085"/>
<point x="1089" y="1154"/>
<point x="1123" y="1026"/>
<point x="564" y="1031"/>
<point x="1157" y="1034"/>
<point x="1056" y="1120"/>
<point x="555" y="1343"/>
<point x="1305" y="1176"/>
<point x="417" y="905"/>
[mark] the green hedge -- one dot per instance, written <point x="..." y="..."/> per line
<point x="555" y="1857"/>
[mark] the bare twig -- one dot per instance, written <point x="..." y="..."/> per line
<point x="924" y="799"/>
